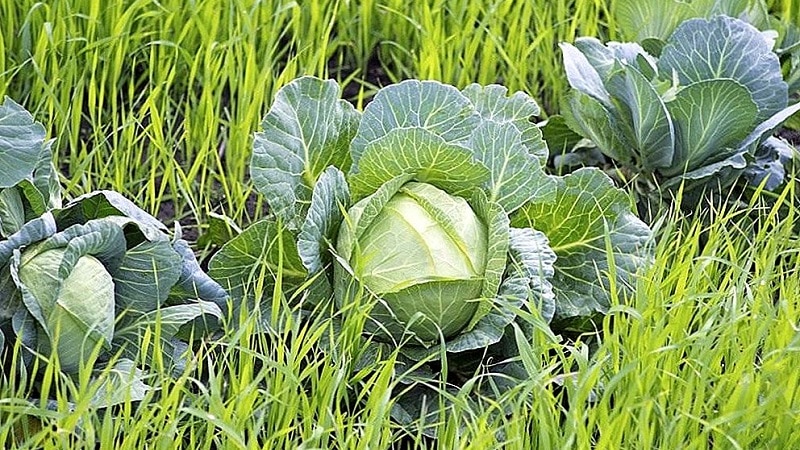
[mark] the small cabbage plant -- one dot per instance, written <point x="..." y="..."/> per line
<point x="696" y="116"/>
<point x="431" y="208"/>
<point x="81" y="282"/>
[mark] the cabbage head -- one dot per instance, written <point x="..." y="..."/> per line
<point x="423" y="255"/>
<point x="78" y="311"/>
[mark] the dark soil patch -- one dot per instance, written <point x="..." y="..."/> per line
<point x="791" y="136"/>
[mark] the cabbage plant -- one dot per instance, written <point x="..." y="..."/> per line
<point x="696" y="116"/>
<point x="81" y="282"/>
<point x="90" y="277"/>
<point x="433" y="210"/>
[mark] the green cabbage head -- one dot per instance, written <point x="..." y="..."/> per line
<point x="422" y="254"/>
<point x="78" y="311"/>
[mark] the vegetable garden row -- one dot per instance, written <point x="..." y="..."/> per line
<point x="447" y="251"/>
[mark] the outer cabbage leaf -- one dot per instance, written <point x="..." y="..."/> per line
<point x="589" y="218"/>
<point x="28" y="181"/>
<point x="559" y="137"/>
<point x="431" y="106"/>
<point x="173" y="257"/>
<point x="34" y="231"/>
<point x="653" y="133"/>
<point x="582" y="76"/>
<point x="589" y="118"/>
<point x="22" y="141"/>
<point x="515" y="175"/>
<point x="422" y="154"/>
<point x="254" y="258"/>
<point x="146" y="276"/>
<point x="711" y="117"/>
<point x="307" y="129"/>
<point x="496" y="220"/>
<point x="532" y="262"/>
<point x="100" y="204"/>
<point x="724" y="47"/>
<point x="12" y="211"/>
<point x="715" y="176"/>
<point x="99" y="238"/>
<point x="494" y="104"/>
<point x="642" y="19"/>
<point x="318" y="234"/>
<point x="766" y="128"/>
<point x="168" y="320"/>
<point x="509" y="145"/>
<point x="45" y="188"/>
<point x="771" y="159"/>
<point x="193" y="282"/>
<point x="606" y="58"/>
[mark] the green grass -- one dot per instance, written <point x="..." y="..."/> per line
<point x="159" y="100"/>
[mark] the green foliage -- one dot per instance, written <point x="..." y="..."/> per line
<point x="82" y="282"/>
<point x="692" y="119"/>
<point x="159" y="100"/>
<point x="427" y="251"/>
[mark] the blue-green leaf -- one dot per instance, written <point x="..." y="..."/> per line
<point x="145" y="276"/>
<point x="307" y="129"/>
<point x="317" y="235"/>
<point x="653" y="132"/>
<point x="168" y="319"/>
<point x="494" y="104"/>
<point x="766" y="128"/>
<point x="33" y="231"/>
<point x="193" y="282"/>
<point x="100" y="238"/>
<point x="12" y="211"/>
<point x="771" y="159"/>
<point x="101" y="204"/>
<point x="439" y="109"/>
<point x="582" y="76"/>
<point x="22" y="141"/>
<point x="532" y="262"/>
<point x="588" y="217"/>
<point x="496" y="220"/>
<point x="515" y="175"/>
<point x="589" y="118"/>
<point x="711" y="117"/>
<point x="724" y="47"/>
<point x="606" y="58"/>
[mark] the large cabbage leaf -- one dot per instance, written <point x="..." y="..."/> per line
<point x="599" y="243"/>
<point x="307" y="129"/>
<point x="639" y="20"/>
<point x="724" y="47"/>
<point x="28" y="181"/>
<point x="22" y="141"/>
